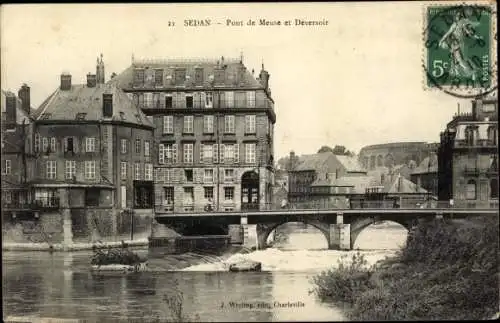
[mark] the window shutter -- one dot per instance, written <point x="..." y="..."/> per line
<point x="221" y="158"/>
<point x="215" y="153"/>
<point x="203" y="99"/>
<point x="214" y="172"/>
<point x="179" y="176"/>
<point x="65" y="141"/>
<point x="200" y="174"/>
<point x="236" y="153"/>
<point x="202" y="146"/>
<point x="222" y="179"/>
<point x="161" y="154"/>
<point x="174" y="153"/>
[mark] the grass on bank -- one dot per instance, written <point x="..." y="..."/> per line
<point x="447" y="270"/>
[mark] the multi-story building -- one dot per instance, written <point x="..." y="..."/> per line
<point x="425" y="175"/>
<point x="93" y="154"/>
<point x="468" y="157"/>
<point x="16" y="129"/>
<point x="214" y="132"/>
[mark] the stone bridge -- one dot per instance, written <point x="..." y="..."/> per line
<point x="340" y="227"/>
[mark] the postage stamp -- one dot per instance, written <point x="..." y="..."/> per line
<point x="460" y="42"/>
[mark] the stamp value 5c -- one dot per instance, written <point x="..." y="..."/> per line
<point x="458" y="41"/>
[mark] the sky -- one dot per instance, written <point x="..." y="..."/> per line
<point x="355" y="82"/>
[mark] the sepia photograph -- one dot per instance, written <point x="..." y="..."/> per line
<point x="235" y="162"/>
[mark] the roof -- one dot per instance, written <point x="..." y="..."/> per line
<point x="401" y="185"/>
<point x="424" y="166"/>
<point x="359" y="183"/>
<point x="350" y="163"/>
<point x="231" y="67"/>
<point x="312" y="162"/>
<point x="21" y="114"/>
<point x="66" y="104"/>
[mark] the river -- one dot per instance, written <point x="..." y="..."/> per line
<point x="60" y="285"/>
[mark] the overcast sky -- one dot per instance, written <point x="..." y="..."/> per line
<point x="357" y="81"/>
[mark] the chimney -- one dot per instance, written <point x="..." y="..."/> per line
<point x="65" y="82"/>
<point x="10" y="110"/>
<point x="291" y="162"/>
<point x="100" y="71"/>
<point x="24" y="95"/>
<point x="264" y="78"/>
<point x="91" y="80"/>
<point x="107" y="105"/>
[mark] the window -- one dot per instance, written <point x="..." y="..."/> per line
<point x="148" y="172"/>
<point x="92" y="196"/>
<point x="168" y="124"/>
<point x="188" y="196"/>
<point x="139" y="77"/>
<point x="229" y="99"/>
<point x="470" y="190"/>
<point x="228" y="153"/>
<point x="137" y="171"/>
<point x="53" y="144"/>
<point x="123" y="170"/>
<point x="207" y="151"/>
<point x="45" y="144"/>
<point x="208" y="124"/>
<point x="469" y="136"/>
<point x="51" y="169"/>
<point x="143" y="195"/>
<point x="494" y="188"/>
<point x="140" y="100"/>
<point x="168" y="102"/>
<point x="188" y="124"/>
<point x="169" y="195"/>
<point x="188" y="153"/>
<point x="189" y="101"/>
<point x="188" y="175"/>
<point x="138" y="146"/>
<point x="492" y="135"/>
<point x="90" y="169"/>
<point x="70" y="169"/>
<point x="209" y="100"/>
<point x="209" y="193"/>
<point x="229" y="124"/>
<point x="251" y="99"/>
<point x="7" y="167"/>
<point x="208" y="176"/>
<point x="228" y="193"/>
<point x="69" y="144"/>
<point x="89" y="144"/>
<point x="124" y="144"/>
<point x="37" y="143"/>
<point x="148" y="100"/>
<point x="161" y="154"/>
<point x="146" y="148"/>
<point x="228" y="175"/>
<point x="250" y="153"/>
<point x="7" y="197"/>
<point x="250" y="124"/>
<point x="158" y="77"/>
<point x="170" y="151"/>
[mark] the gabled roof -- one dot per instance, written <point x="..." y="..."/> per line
<point x="359" y="183"/>
<point x="125" y="80"/>
<point x="424" y="166"/>
<point x="86" y="102"/>
<point x="350" y="163"/>
<point x="312" y="162"/>
<point x="401" y="185"/>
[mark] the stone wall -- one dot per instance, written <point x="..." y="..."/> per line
<point x="48" y="228"/>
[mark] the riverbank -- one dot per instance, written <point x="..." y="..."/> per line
<point x="446" y="270"/>
<point x="12" y="246"/>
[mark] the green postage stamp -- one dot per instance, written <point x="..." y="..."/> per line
<point x="460" y="43"/>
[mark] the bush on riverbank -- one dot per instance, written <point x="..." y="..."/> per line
<point x="447" y="270"/>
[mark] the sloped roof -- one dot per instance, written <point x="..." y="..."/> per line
<point x="66" y="104"/>
<point x="313" y="161"/>
<point x="359" y="183"/>
<point x="424" y="166"/>
<point x="350" y="163"/>
<point x="231" y="66"/>
<point x="401" y="185"/>
<point x="330" y="181"/>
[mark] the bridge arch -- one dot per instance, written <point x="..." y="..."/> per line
<point x="358" y="225"/>
<point x="264" y="230"/>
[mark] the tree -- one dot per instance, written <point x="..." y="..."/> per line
<point x="325" y="149"/>
<point x="336" y="150"/>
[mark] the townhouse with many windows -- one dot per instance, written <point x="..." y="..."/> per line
<point x="468" y="157"/>
<point x="214" y="132"/>
<point x="92" y="154"/>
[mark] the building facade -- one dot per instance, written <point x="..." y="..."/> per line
<point x="391" y="154"/>
<point x="468" y="157"/>
<point x="214" y="132"/>
<point x="90" y="170"/>
<point x="16" y="128"/>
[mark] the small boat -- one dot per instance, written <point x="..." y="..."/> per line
<point x="246" y="265"/>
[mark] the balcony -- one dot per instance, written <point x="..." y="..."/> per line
<point x="40" y="204"/>
<point x="486" y="143"/>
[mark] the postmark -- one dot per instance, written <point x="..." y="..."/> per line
<point x="459" y="43"/>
